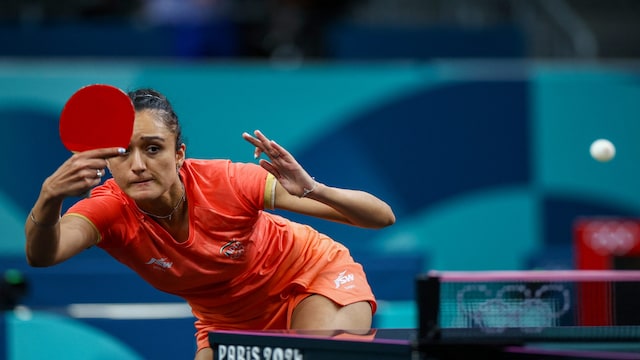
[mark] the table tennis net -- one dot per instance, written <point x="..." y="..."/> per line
<point x="531" y="304"/>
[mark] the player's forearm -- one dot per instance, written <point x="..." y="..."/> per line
<point x="359" y="208"/>
<point x="42" y="244"/>
<point x="42" y="232"/>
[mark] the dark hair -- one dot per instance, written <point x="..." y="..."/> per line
<point x="149" y="99"/>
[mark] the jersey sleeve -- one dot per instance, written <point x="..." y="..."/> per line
<point x="254" y="185"/>
<point x="105" y="211"/>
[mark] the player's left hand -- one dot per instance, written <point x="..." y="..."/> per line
<point x="289" y="173"/>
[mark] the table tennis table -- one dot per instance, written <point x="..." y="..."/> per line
<point x="510" y="315"/>
<point x="402" y="344"/>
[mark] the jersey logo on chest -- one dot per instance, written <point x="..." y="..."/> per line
<point x="162" y="263"/>
<point x="233" y="249"/>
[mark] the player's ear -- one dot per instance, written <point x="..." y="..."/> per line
<point x="181" y="154"/>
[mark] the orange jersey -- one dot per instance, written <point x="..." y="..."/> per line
<point x="240" y="264"/>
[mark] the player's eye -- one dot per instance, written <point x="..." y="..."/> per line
<point x="153" y="149"/>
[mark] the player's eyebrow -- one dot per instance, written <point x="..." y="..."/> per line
<point x="152" y="138"/>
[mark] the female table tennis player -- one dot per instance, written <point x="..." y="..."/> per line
<point x="198" y="229"/>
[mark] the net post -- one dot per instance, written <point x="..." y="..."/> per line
<point x="428" y="303"/>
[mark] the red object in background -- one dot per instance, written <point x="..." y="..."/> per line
<point x="603" y="244"/>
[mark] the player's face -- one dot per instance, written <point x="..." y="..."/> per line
<point x="149" y="170"/>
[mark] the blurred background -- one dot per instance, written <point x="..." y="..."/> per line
<point x="472" y="118"/>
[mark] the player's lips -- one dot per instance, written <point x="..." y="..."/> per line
<point x="141" y="182"/>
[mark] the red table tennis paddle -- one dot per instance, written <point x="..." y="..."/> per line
<point x="97" y="116"/>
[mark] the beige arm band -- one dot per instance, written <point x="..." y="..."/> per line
<point x="270" y="192"/>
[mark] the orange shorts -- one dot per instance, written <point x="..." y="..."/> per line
<point x="342" y="280"/>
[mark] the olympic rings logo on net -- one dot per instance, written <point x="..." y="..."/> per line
<point x="513" y="306"/>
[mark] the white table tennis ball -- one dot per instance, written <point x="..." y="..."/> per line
<point x="602" y="150"/>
